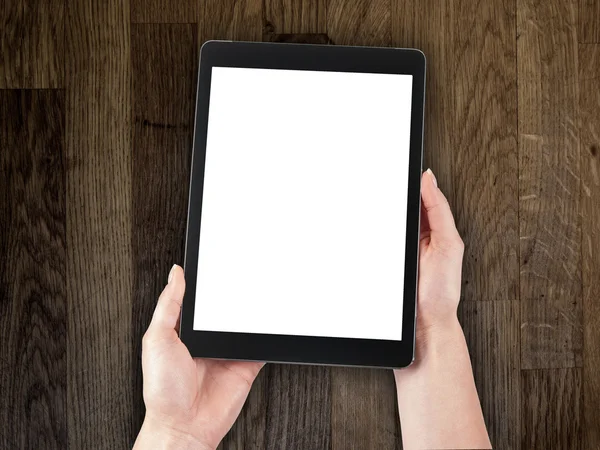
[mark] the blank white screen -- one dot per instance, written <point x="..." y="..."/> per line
<point x="304" y="203"/>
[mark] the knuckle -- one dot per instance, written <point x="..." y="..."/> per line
<point x="146" y="339"/>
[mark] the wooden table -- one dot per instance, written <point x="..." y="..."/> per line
<point x="96" y="118"/>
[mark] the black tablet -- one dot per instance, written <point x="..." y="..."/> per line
<point x="303" y="220"/>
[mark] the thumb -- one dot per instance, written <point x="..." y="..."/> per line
<point x="442" y="229"/>
<point x="166" y="315"/>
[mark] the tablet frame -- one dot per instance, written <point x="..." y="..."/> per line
<point x="289" y="348"/>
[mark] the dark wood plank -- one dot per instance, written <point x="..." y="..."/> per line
<point x="99" y="272"/>
<point x="232" y="19"/>
<point x="428" y="26"/>
<point x="298" y="407"/>
<point x="551" y="409"/>
<point x="321" y="39"/>
<point x="11" y="19"/>
<point x="549" y="184"/>
<point x="485" y="133"/>
<point x="364" y="22"/>
<point x="43" y="43"/>
<point x="492" y="333"/>
<point x="31" y="44"/>
<point x="165" y="11"/>
<point x="589" y="21"/>
<point x="164" y="66"/>
<point x="589" y="106"/>
<point x="33" y="301"/>
<point x="364" y="410"/>
<point x="295" y="16"/>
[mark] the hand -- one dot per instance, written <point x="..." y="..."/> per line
<point x="189" y="402"/>
<point x="437" y="398"/>
<point x="440" y="263"/>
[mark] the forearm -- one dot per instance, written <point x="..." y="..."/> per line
<point x="437" y="398"/>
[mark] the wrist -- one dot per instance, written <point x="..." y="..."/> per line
<point x="155" y="435"/>
<point x="439" y="337"/>
<point x="436" y="345"/>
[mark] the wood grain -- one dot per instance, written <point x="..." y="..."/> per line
<point x="485" y="133"/>
<point x="319" y="39"/>
<point x="363" y="22"/>
<point x="551" y="409"/>
<point x="31" y="44"/>
<point x="589" y="21"/>
<point x="99" y="270"/>
<point x="165" y="11"/>
<point x="296" y="16"/>
<point x="549" y="184"/>
<point x="492" y="332"/>
<point x="428" y="26"/>
<point x="232" y="19"/>
<point x="589" y="106"/>
<point x="33" y="301"/>
<point x="164" y="67"/>
<point x="298" y="407"/>
<point x="364" y="410"/>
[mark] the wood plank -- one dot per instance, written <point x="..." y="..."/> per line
<point x="295" y="16"/>
<point x="492" y="334"/>
<point x="364" y="410"/>
<point x="232" y="19"/>
<point x="11" y="20"/>
<point x="164" y="66"/>
<point x="99" y="271"/>
<point x="31" y="44"/>
<point x="43" y="43"/>
<point x="364" y="22"/>
<point x="33" y="305"/>
<point x="428" y="26"/>
<point x="551" y="409"/>
<point x="485" y="133"/>
<point x="320" y="39"/>
<point x="589" y="107"/>
<point x="299" y="407"/>
<point x="589" y="21"/>
<point x="549" y="177"/>
<point x="165" y="11"/>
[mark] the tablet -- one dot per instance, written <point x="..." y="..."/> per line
<point x="303" y="219"/>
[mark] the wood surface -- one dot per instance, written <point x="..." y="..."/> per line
<point x="33" y="297"/>
<point x="32" y="44"/>
<point x="589" y="110"/>
<point x="589" y="21"/>
<point x="99" y="201"/>
<point x="549" y="185"/>
<point x="93" y="195"/>
<point x="548" y="398"/>
<point x="165" y="11"/>
<point x="296" y="16"/>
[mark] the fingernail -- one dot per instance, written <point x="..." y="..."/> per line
<point x="432" y="177"/>
<point x="171" y="273"/>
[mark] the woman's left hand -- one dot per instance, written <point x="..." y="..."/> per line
<point x="190" y="403"/>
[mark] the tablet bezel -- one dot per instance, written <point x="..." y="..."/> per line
<point x="305" y="349"/>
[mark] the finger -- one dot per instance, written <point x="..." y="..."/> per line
<point x="438" y="215"/>
<point x="168" y="309"/>
<point x="424" y="223"/>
